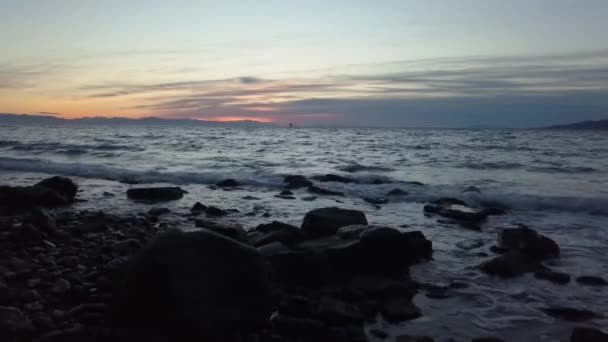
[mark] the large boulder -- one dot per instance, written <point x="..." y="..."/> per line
<point x="229" y="229"/>
<point x="159" y="194"/>
<point x="529" y="242"/>
<point x="63" y="186"/>
<point x="275" y="232"/>
<point x="194" y="285"/>
<point x="30" y="197"/>
<point x="326" y="221"/>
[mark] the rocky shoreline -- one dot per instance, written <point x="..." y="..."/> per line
<point x="96" y="276"/>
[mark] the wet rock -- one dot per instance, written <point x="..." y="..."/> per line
<point x="231" y="230"/>
<point x="585" y="334"/>
<point x="195" y="285"/>
<point x="251" y="198"/>
<point x="529" y="242"/>
<point x="227" y="183"/>
<point x="509" y="265"/>
<point x="215" y="211"/>
<point x="293" y="327"/>
<point x="308" y="198"/>
<point x="378" y="333"/>
<point x="407" y="338"/>
<point x="334" y="178"/>
<point x="159" y="194"/>
<point x="61" y="286"/>
<point x="61" y="185"/>
<point x="326" y="221"/>
<point x="286" y="193"/>
<point x="468" y="245"/>
<point x="487" y="339"/>
<point x="450" y="201"/>
<point x="158" y="211"/>
<point x="285" y="197"/>
<point x="455" y="211"/>
<point x="400" y="309"/>
<point x="592" y="281"/>
<point x="321" y="191"/>
<point x="570" y="314"/>
<point x="336" y="312"/>
<point x="553" y="276"/>
<point x="353" y="231"/>
<point x="296" y="182"/>
<point x="298" y="306"/>
<point x="27" y="233"/>
<point x="397" y="192"/>
<point x="14" y="324"/>
<point x="198" y="208"/>
<point x="276" y="232"/>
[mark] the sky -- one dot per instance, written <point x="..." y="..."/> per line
<point x="438" y="63"/>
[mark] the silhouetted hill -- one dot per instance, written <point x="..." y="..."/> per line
<point x="26" y="119"/>
<point x="587" y="125"/>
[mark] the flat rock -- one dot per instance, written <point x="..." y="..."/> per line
<point x="326" y="221"/>
<point x="158" y="194"/>
<point x="585" y="334"/>
<point x="592" y="280"/>
<point x="570" y="314"/>
<point x="321" y="191"/>
<point x="227" y="183"/>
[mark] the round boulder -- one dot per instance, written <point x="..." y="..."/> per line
<point x="326" y="221"/>
<point x="63" y="186"/>
<point x="195" y="284"/>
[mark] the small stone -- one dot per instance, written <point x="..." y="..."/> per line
<point x="61" y="286"/>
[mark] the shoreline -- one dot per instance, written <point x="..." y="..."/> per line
<point x="60" y="270"/>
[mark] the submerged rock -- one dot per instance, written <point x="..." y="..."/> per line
<point x="227" y="183"/>
<point x="326" y="221"/>
<point x="570" y="314"/>
<point x="375" y="200"/>
<point x="317" y="190"/>
<point x="30" y="197"/>
<point x="585" y="334"/>
<point x="296" y="182"/>
<point x="529" y="242"/>
<point x="509" y="265"/>
<point x="397" y="192"/>
<point x="553" y="276"/>
<point x="195" y="285"/>
<point x="334" y="178"/>
<point x="592" y="281"/>
<point x="158" y="194"/>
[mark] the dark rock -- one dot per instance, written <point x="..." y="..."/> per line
<point x="159" y="194"/>
<point x="528" y="242"/>
<point x="227" y="183"/>
<point x="14" y="324"/>
<point x="353" y="231"/>
<point x="308" y="198"/>
<point x="297" y="328"/>
<point x="296" y="181"/>
<point x="276" y="232"/>
<point x="285" y="197"/>
<point x="30" y="197"/>
<point x="553" y="276"/>
<point x="215" y="211"/>
<point x="472" y="189"/>
<point x="301" y="268"/>
<point x="158" y="211"/>
<point x="498" y="250"/>
<point x="27" y="233"/>
<point x="592" y="281"/>
<point x="233" y="231"/>
<point x="336" y="312"/>
<point x="43" y="220"/>
<point x="407" y="338"/>
<point x="250" y="198"/>
<point x="297" y="306"/>
<point x="450" y="201"/>
<point x="334" y="178"/>
<point x="198" y="208"/>
<point x="400" y="309"/>
<point x="375" y="200"/>
<point x="317" y="190"/>
<point x="286" y="193"/>
<point x="585" y="334"/>
<point x="467" y="245"/>
<point x="570" y="314"/>
<point x="326" y="221"/>
<point x="196" y="284"/>
<point x="61" y="286"/>
<point x="61" y="185"/>
<point x="509" y="265"/>
<point x="487" y="339"/>
<point x="456" y="211"/>
<point x="378" y="333"/>
<point x="397" y="192"/>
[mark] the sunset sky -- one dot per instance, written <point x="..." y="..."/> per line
<point x="401" y="63"/>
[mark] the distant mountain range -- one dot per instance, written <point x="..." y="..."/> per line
<point x="583" y="125"/>
<point x="26" y="119"/>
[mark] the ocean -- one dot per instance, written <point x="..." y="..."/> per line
<point x="554" y="181"/>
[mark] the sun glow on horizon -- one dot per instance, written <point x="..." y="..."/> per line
<point x="235" y="118"/>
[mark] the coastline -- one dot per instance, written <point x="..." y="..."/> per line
<point x="62" y="268"/>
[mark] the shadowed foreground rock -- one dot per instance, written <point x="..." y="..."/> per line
<point x="196" y="284"/>
<point x="50" y="192"/>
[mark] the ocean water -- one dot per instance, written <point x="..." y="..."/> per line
<point x="554" y="181"/>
